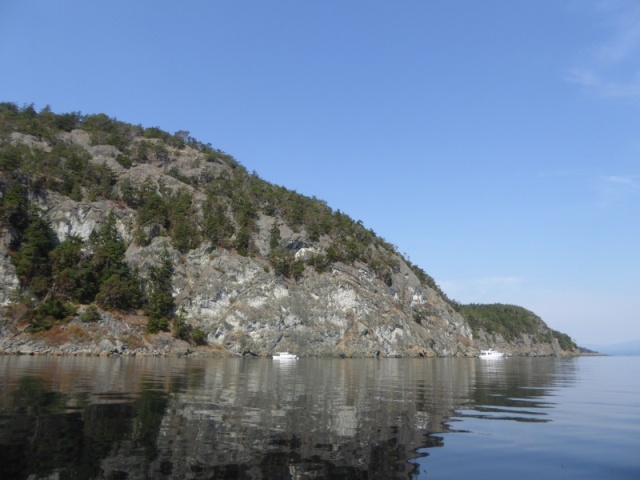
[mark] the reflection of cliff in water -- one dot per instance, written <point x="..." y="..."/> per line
<point x="233" y="418"/>
<point x="332" y="418"/>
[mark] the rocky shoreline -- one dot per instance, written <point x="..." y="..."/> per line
<point x="107" y="337"/>
<point x="104" y="349"/>
<point x="125" y="335"/>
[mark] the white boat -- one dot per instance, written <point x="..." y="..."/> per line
<point x="285" y="356"/>
<point x="491" y="354"/>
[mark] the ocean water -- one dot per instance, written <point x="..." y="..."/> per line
<point x="546" y="418"/>
<point x="128" y="418"/>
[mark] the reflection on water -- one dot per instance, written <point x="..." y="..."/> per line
<point x="508" y="389"/>
<point x="253" y="418"/>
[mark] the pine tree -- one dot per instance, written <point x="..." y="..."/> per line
<point x="108" y="250"/>
<point x="160" y="304"/>
<point x="119" y="285"/>
<point x="274" y="236"/>
<point x="73" y="275"/>
<point x="14" y="206"/>
<point x="32" y="259"/>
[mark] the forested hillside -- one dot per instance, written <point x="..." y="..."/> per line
<point x="511" y="322"/>
<point x="106" y="221"/>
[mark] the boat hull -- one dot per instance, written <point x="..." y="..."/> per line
<point x="285" y="356"/>
<point x="489" y="354"/>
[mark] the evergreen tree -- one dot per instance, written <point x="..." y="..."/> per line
<point x="119" y="291"/>
<point x="243" y="241"/>
<point x="160" y="304"/>
<point x="182" y="221"/>
<point x="119" y="285"/>
<point x="274" y="236"/>
<point x="73" y="275"/>
<point x="181" y="328"/>
<point x="108" y="250"/>
<point x="14" y="206"/>
<point x="152" y="206"/>
<point x="32" y="259"/>
<point x="216" y="225"/>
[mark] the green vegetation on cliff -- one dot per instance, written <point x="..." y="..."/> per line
<point x="234" y="197"/>
<point x="37" y="155"/>
<point x="511" y="321"/>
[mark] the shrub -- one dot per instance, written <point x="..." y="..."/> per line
<point x="91" y="314"/>
<point x="116" y="292"/>
<point x="281" y="262"/>
<point x="297" y="269"/>
<point x="156" y="325"/>
<point x="181" y="329"/>
<point x="198" y="336"/>
<point x="50" y="312"/>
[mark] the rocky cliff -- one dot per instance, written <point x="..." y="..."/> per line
<point x="255" y="268"/>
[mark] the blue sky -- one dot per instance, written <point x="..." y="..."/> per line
<point x="496" y="143"/>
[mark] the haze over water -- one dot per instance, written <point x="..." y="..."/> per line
<point x="320" y="418"/>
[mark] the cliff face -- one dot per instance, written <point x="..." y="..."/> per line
<point x="244" y="307"/>
<point x="237" y="290"/>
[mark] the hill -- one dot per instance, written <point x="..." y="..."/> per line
<point x="120" y="238"/>
<point x="504" y="325"/>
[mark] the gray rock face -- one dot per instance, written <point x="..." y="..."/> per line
<point x="525" y="345"/>
<point x="244" y="308"/>
<point x="68" y="217"/>
<point x="8" y="280"/>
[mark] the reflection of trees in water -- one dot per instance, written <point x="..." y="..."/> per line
<point x="43" y="432"/>
<point x="335" y="419"/>
<point x="234" y="418"/>
<point x="517" y="389"/>
<point x="48" y="431"/>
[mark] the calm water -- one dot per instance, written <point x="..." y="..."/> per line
<point x="320" y="418"/>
